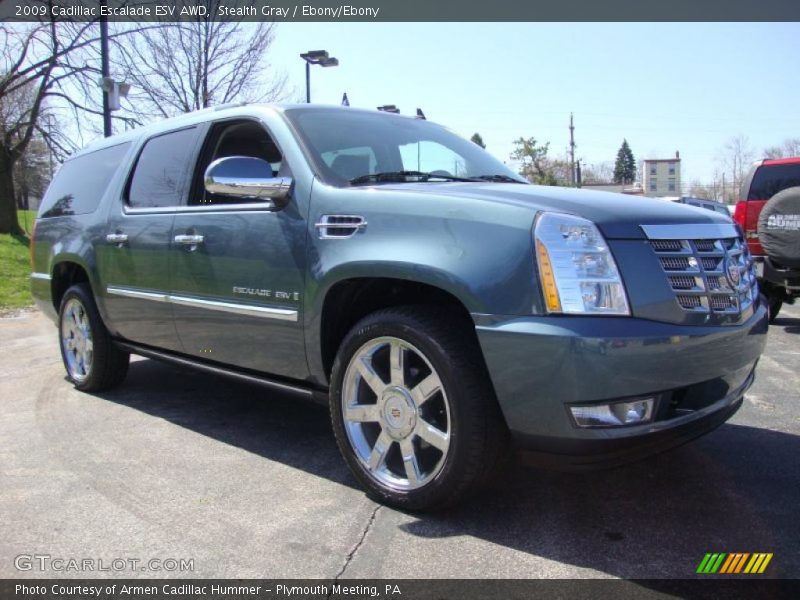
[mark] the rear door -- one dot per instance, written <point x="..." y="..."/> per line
<point x="134" y="260"/>
<point x="237" y="268"/>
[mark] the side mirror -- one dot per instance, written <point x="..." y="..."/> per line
<point x="247" y="178"/>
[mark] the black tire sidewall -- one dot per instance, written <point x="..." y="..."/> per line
<point x="101" y="346"/>
<point x="466" y="418"/>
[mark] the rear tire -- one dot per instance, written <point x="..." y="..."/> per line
<point x="413" y="410"/>
<point x="92" y="360"/>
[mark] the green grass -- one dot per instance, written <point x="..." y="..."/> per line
<point x="15" y="270"/>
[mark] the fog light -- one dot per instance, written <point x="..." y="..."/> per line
<point x="616" y="414"/>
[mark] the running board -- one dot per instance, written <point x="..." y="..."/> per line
<point x="309" y="393"/>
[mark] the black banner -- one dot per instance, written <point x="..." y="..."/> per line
<point x="387" y="589"/>
<point x="401" y="10"/>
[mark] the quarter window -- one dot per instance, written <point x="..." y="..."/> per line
<point x="81" y="182"/>
<point x="160" y="174"/>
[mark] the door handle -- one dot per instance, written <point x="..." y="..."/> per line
<point x="117" y="238"/>
<point x="189" y="240"/>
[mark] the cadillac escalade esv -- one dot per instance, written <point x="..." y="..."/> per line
<point x="446" y="309"/>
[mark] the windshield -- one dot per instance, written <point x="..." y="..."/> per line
<point x="353" y="145"/>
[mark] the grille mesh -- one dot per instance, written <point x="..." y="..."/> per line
<point x="675" y="263"/>
<point x="681" y="282"/>
<point x="688" y="301"/>
<point x="708" y="275"/>
<point x="667" y="245"/>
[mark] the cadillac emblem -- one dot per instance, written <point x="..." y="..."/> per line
<point x="732" y="271"/>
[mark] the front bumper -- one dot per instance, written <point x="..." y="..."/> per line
<point x="541" y="365"/>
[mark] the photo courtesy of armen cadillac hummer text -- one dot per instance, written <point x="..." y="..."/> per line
<point x="448" y="311"/>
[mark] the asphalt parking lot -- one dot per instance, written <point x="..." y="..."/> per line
<point x="180" y="465"/>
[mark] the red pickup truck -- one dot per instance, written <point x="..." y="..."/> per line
<point x="769" y="213"/>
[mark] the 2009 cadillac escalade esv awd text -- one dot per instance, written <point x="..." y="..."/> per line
<point x="447" y="309"/>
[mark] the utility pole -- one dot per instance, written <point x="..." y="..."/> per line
<point x="571" y="150"/>
<point x="104" y="70"/>
<point x="723" y="188"/>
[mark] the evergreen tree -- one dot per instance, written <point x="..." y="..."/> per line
<point x="625" y="166"/>
<point x="476" y="137"/>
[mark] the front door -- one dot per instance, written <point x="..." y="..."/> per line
<point x="133" y="259"/>
<point x="237" y="267"/>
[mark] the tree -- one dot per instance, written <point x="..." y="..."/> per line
<point x="534" y="165"/>
<point x="789" y="147"/>
<point x="735" y="157"/>
<point x="32" y="172"/>
<point x="625" y="165"/>
<point x="602" y="172"/>
<point x="476" y="137"/>
<point x="37" y="61"/>
<point x="698" y="190"/>
<point x="189" y="65"/>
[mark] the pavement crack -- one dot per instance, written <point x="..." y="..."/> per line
<point x="358" y="544"/>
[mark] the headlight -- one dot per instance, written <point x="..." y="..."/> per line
<point x="577" y="270"/>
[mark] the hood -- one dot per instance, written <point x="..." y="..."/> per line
<point x="618" y="216"/>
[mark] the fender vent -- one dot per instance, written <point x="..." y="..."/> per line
<point x="339" y="226"/>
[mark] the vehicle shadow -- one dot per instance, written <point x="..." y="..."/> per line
<point x="279" y="427"/>
<point x="788" y="324"/>
<point x="735" y="490"/>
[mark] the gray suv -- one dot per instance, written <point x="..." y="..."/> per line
<point x="446" y="310"/>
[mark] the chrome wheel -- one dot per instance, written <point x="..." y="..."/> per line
<point x="76" y="340"/>
<point x="396" y="413"/>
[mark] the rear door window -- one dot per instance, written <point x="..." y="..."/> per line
<point x="81" y="182"/>
<point x="771" y="179"/>
<point x="159" y="179"/>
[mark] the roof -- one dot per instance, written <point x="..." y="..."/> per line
<point x="792" y="160"/>
<point x="647" y="160"/>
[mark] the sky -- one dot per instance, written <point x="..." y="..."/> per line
<point x="665" y="87"/>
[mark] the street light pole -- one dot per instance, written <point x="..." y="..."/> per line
<point x="316" y="57"/>
<point x="105" y="71"/>
<point x="308" y="82"/>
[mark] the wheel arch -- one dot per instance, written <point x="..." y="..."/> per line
<point x="66" y="272"/>
<point x="347" y="300"/>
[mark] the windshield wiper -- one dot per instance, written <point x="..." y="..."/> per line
<point x="499" y="178"/>
<point x="403" y="176"/>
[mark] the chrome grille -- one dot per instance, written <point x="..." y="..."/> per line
<point x="676" y="263"/>
<point x="708" y="275"/>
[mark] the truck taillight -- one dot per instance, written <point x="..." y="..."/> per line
<point x="746" y="214"/>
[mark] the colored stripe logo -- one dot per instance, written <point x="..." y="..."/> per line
<point x="734" y="563"/>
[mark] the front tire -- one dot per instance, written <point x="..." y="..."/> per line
<point x="413" y="411"/>
<point x="92" y="360"/>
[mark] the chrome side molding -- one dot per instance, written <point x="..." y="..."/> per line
<point x="281" y="314"/>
